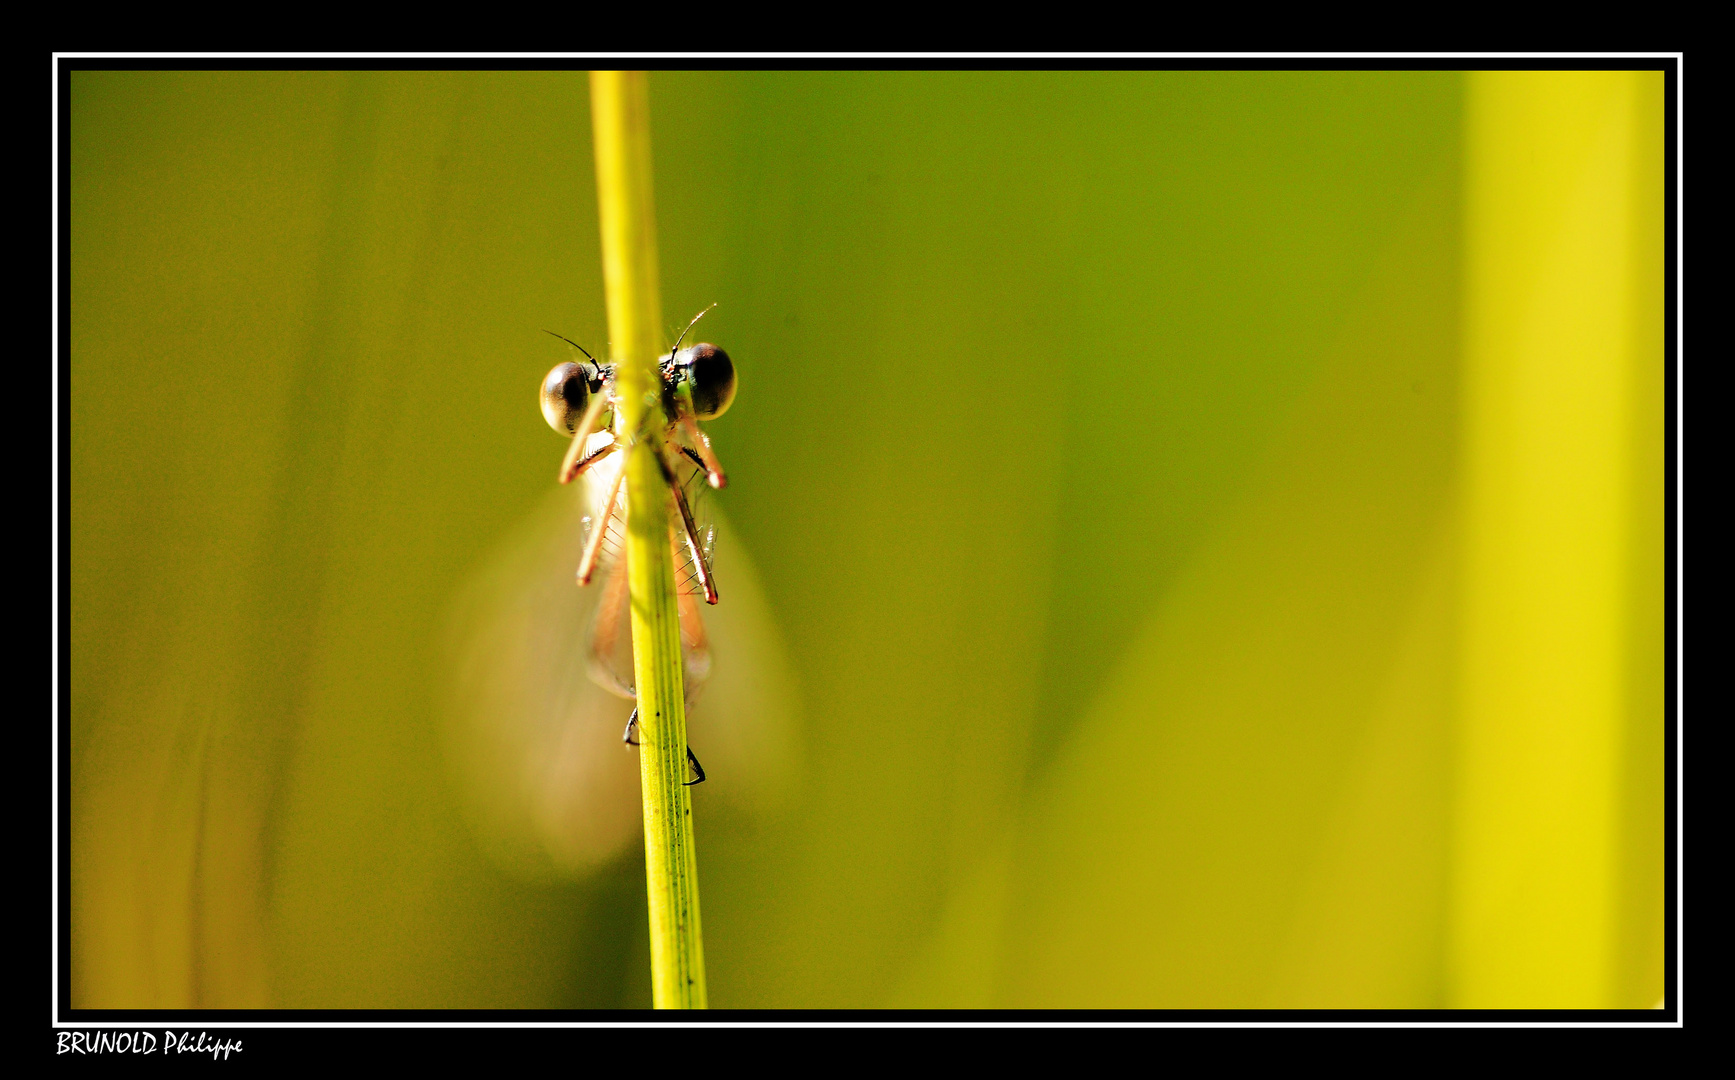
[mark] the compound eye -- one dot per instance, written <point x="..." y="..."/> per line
<point x="565" y="394"/>
<point x="711" y="375"/>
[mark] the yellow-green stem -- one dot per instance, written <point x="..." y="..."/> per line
<point x="620" y="116"/>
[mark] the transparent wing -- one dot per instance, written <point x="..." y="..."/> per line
<point x="599" y="483"/>
<point x="611" y="635"/>
<point x="535" y="742"/>
<point x="692" y="558"/>
<point x="611" y="640"/>
<point x="611" y="648"/>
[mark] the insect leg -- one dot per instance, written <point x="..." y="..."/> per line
<point x="708" y="458"/>
<point x="572" y="466"/>
<point x="698" y="768"/>
<point x="592" y="550"/>
<point x="627" y="737"/>
<point x="692" y="533"/>
<point x="582" y="465"/>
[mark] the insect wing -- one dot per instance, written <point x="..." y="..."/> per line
<point x="600" y="514"/>
<point x="694" y="558"/>
<point x="611" y="644"/>
<point x="611" y="635"/>
<point x="611" y="639"/>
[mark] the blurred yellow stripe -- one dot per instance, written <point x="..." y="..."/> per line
<point x="1558" y="212"/>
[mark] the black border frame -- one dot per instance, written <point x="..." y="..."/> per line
<point x="322" y="1033"/>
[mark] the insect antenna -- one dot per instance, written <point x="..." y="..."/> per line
<point x="581" y="348"/>
<point x="683" y="336"/>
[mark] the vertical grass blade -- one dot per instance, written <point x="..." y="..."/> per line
<point x="620" y="116"/>
<point x="1562" y="374"/>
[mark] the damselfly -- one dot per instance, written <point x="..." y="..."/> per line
<point x="580" y="400"/>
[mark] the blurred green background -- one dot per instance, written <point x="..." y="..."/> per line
<point x="1099" y="452"/>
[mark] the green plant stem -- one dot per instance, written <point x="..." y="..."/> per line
<point x="620" y="117"/>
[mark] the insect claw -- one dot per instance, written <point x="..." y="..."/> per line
<point x="698" y="768"/>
